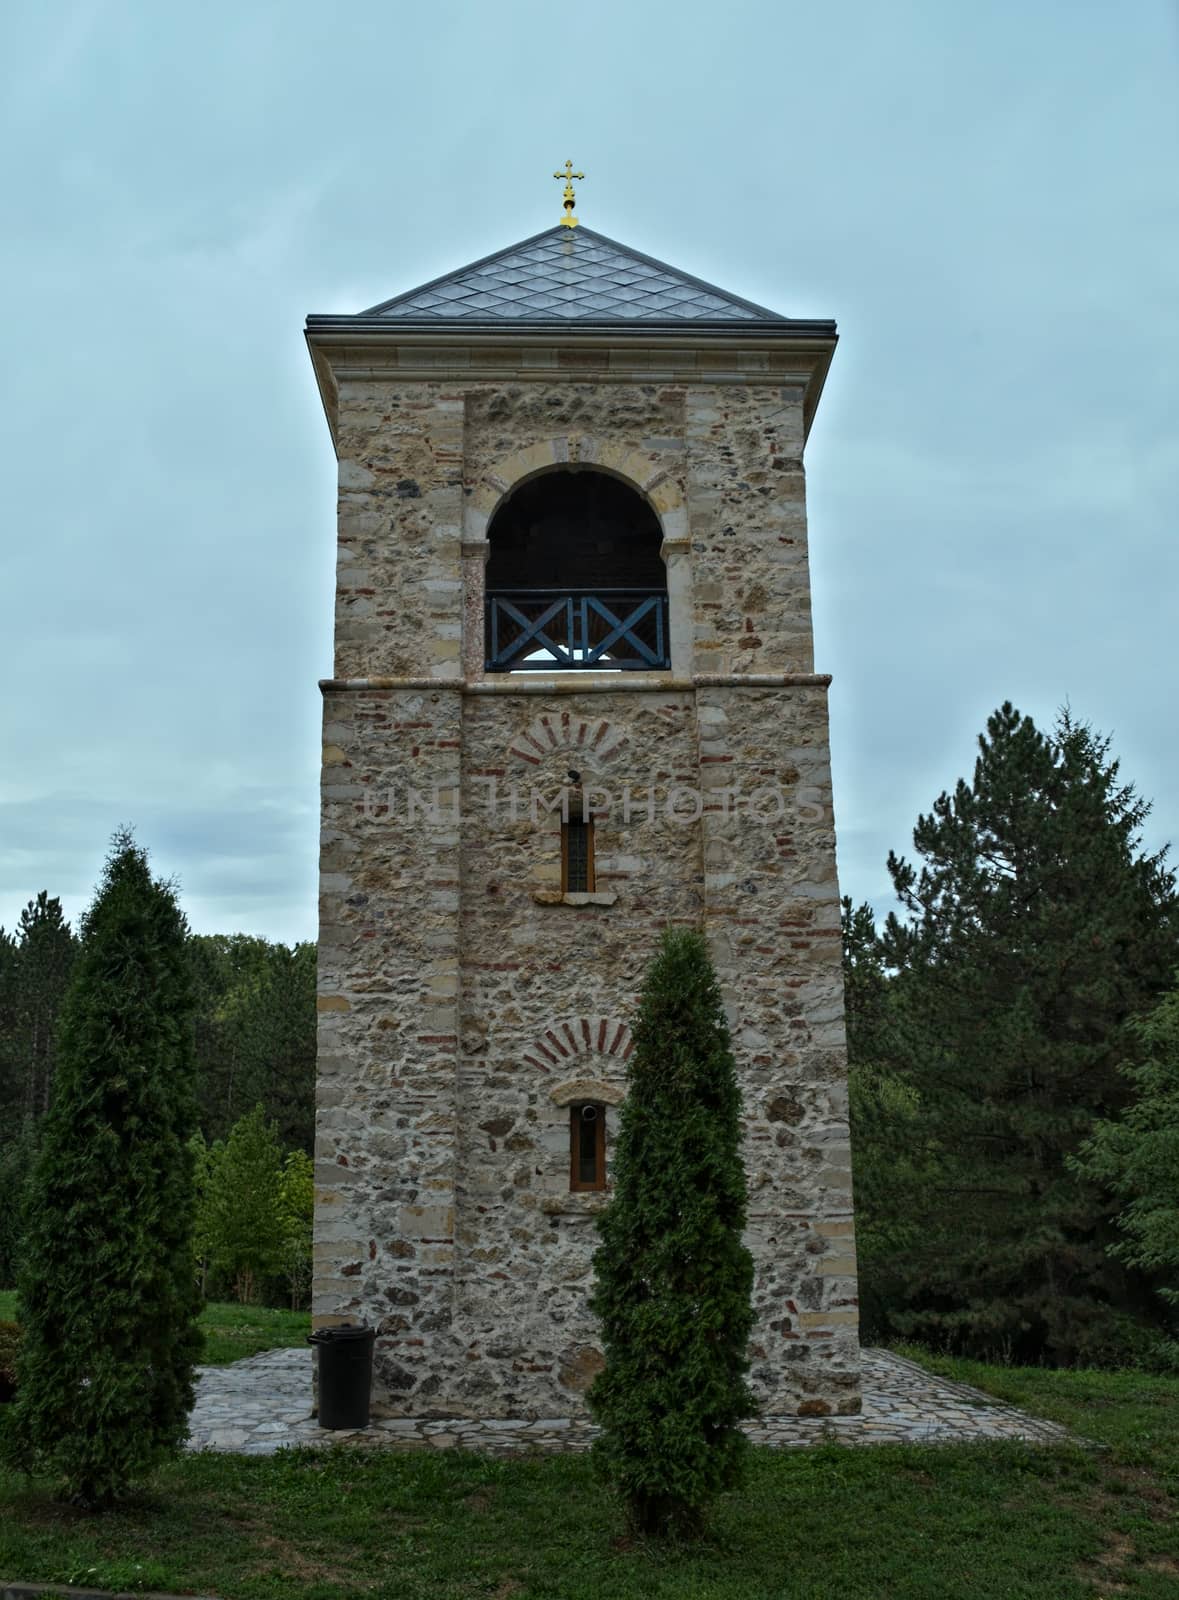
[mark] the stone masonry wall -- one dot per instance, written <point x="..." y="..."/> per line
<point x="399" y="564"/>
<point x="465" y="1001"/>
<point x="726" y="458"/>
<point x="771" y="909"/>
<point x="386" y="1117"/>
<point x="746" y="505"/>
<point x="535" y="971"/>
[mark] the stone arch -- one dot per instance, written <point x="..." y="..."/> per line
<point x="551" y="732"/>
<point x="563" y="1044"/>
<point x="574" y="1089"/>
<point x="637" y="469"/>
<point x="643" y="473"/>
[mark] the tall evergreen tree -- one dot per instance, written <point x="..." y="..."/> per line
<point x="1036" y="929"/>
<point x="11" y="1067"/>
<point x="225" y="970"/>
<point x="274" y="1018"/>
<point x="46" y="948"/>
<point x="18" y="1160"/>
<point x="255" y="1033"/>
<point x="35" y="965"/>
<point x="107" y="1285"/>
<point x="673" y="1278"/>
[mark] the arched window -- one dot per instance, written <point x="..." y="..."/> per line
<point x="587" y="1146"/>
<point x="574" y="577"/>
<point x="577" y="855"/>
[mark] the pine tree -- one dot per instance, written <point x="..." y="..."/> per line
<point x="11" y="1052"/>
<point x="107" y="1286"/>
<point x="274" y="1020"/>
<point x="46" y="949"/>
<point x="226" y="969"/>
<point x="18" y="1160"/>
<point x="673" y="1277"/>
<point x="255" y="1033"/>
<point x="35" y="966"/>
<point x="1036" y="929"/>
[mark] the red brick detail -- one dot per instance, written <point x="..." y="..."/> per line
<point x="580" y="1036"/>
<point x="553" y="731"/>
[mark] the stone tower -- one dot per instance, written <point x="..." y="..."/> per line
<point x="574" y="701"/>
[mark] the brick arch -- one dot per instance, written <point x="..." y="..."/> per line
<point x="635" y="467"/>
<point x="564" y="731"/>
<point x="562" y="1044"/>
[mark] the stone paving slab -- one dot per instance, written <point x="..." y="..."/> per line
<point x="261" y="1404"/>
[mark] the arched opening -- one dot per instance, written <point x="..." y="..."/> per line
<point x="574" y="577"/>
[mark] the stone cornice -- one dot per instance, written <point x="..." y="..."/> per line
<point x="343" y="351"/>
<point x="584" y="683"/>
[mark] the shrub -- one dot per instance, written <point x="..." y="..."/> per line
<point x="673" y="1277"/>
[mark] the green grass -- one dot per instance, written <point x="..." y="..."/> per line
<point x="1135" y="1415"/>
<point x="889" y="1523"/>
<point x="231" y="1331"/>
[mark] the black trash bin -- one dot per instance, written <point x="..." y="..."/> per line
<point x="345" y="1374"/>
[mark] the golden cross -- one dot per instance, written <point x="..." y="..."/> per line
<point x="569" y="220"/>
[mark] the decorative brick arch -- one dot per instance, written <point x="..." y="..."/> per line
<point x="566" y="732"/>
<point x="641" y="471"/>
<point x="563" y="1046"/>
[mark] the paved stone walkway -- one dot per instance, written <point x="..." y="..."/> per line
<point x="258" y="1405"/>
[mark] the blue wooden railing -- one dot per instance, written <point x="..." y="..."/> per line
<point x="569" y="630"/>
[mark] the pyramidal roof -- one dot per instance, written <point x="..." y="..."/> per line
<point x="569" y="275"/>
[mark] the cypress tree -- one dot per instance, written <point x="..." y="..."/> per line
<point x="673" y="1277"/>
<point x="107" y="1287"/>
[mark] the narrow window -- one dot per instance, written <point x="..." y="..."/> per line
<point x="577" y="856"/>
<point x="587" y="1147"/>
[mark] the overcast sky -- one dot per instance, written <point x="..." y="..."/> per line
<point x="985" y="198"/>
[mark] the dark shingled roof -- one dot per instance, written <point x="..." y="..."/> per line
<point x="569" y="275"/>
